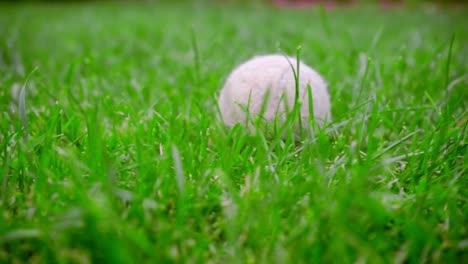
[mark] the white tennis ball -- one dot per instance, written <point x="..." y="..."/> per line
<point x="246" y="89"/>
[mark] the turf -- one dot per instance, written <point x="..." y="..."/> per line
<point x="112" y="149"/>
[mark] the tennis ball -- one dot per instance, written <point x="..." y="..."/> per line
<point x="266" y="85"/>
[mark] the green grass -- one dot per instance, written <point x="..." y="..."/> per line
<point x="112" y="149"/>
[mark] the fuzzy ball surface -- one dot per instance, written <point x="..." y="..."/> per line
<point x="266" y="84"/>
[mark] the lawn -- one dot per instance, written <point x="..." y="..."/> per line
<point x="112" y="149"/>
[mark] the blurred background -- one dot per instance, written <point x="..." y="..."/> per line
<point x="297" y="3"/>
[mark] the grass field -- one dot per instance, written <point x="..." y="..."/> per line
<point x="112" y="149"/>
